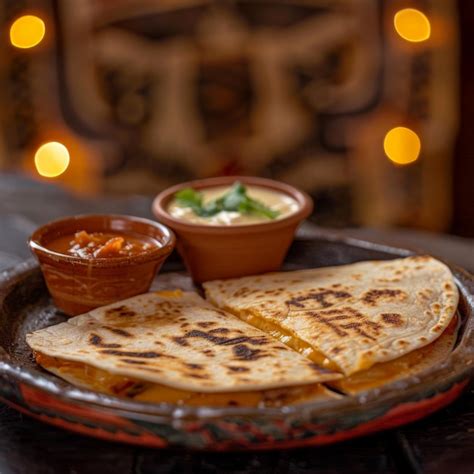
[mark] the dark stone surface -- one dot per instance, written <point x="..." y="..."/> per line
<point x="442" y="443"/>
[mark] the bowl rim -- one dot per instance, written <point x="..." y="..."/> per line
<point x="167" y="245"/>
<point x="159" y="206"/>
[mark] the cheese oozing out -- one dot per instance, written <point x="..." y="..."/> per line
<point x="103" y="381"/>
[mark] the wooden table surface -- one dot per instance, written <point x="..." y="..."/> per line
<point x="442" y="443"/>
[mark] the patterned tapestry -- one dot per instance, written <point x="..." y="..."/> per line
<point x="149" y="93"/>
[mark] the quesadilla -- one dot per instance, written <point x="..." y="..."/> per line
<point x="350" y="317"/>
<point x="175" y="347"/>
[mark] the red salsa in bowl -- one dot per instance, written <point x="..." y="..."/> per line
<point x="85" y="244"/>
<point x="93" y="260"/>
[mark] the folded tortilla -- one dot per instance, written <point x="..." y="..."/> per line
<point x="348" y="317"/>
<point x="175" y="346"/>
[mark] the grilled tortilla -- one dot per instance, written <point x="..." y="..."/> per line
<point x="349" y="317"/>
<point x="174" y="346"/>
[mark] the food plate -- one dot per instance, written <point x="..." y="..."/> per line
<point x="26" y="306"/>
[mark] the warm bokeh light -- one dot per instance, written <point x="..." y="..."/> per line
<point x="412" y="25"/>
<point x="27" y="31"/>
<point x="51" y="159"/>
<point x="402" y="145"/>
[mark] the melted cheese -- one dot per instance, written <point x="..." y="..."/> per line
<point x="102" y="381"/>
<point x="286" y="337"/>
<point x="409" y="364"/>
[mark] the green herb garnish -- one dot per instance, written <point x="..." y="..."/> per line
<point x="235" y="200"/>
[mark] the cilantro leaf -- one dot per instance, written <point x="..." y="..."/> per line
<point x="235" y="200"/>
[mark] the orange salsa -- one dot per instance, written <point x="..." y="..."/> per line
<point x="102" y="244"/>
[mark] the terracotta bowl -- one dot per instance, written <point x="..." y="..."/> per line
<point x="79" y="284"/>
<point x="213" y="252"/>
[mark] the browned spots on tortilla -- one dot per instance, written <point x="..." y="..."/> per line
<point x="336" y="350"/>
<point x="322" y="298"/>
<point x="448" y="286"/>
<point x="373" y="296"/>
<point x="438" y="328"/>
<point x="244" y="291"/>
<point x="180" y="340"/>
<point x="402" y="343"/>
<point x="133" y="361"/>
<point x="193" y="366"/>
<point x="227" y="341"/>
<point x="121" y="311"/>
<point x="238" y="369"/>
<point x="206" y="324"/>
<point x="197" y="376"/>
<point x="119" y="332"/>
<point x="345" y="320"/>
<point x="219" y="331"/>
<point x="245" y="353"/>
<point x="184" y="325"/>
<point x="395" y="319"/>
<point x="423" y="339"/>
<point x="96" y="340"/>
<point x="208" y="353"/>
<point x="140" y="355"/>
<point x="389" y="280"/>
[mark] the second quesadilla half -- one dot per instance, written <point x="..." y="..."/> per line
<point x="350" y="317"/>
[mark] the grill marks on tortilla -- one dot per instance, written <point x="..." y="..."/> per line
<point x="227" y="341"/>
<point x="344" y="321"/>
<point x="120" y="311"/>
<point x="245" y="353"/>
<point x="140" y="355"/>
<point x="119" y="332"/>
<point x="394" y="319"/>
<point x="324" y="298"/>
<point x="96" y="340"/>
<point x="373" y="297"/>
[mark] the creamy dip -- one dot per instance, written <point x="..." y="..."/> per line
<point x="274" y="200"/>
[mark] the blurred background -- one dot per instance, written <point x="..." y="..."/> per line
<point x="365" y="104"/>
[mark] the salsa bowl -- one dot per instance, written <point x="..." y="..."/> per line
<point x="78" y="284"/>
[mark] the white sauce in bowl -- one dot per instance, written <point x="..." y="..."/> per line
<point x="275" y="200"/>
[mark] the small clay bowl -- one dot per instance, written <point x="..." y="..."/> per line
<point x="80" y="284"/>
<point x="213" y="252"/>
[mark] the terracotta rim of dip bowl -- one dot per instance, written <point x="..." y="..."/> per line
<point x="103" y="222"/>
<point x="213" y="251"/>
<point x="161" y="202"/>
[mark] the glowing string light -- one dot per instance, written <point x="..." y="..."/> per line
<point x="412" y="25"/>
<point x="51" y="159"/>
<point x="402" y="145"/>
<point x="27" y="31"/>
